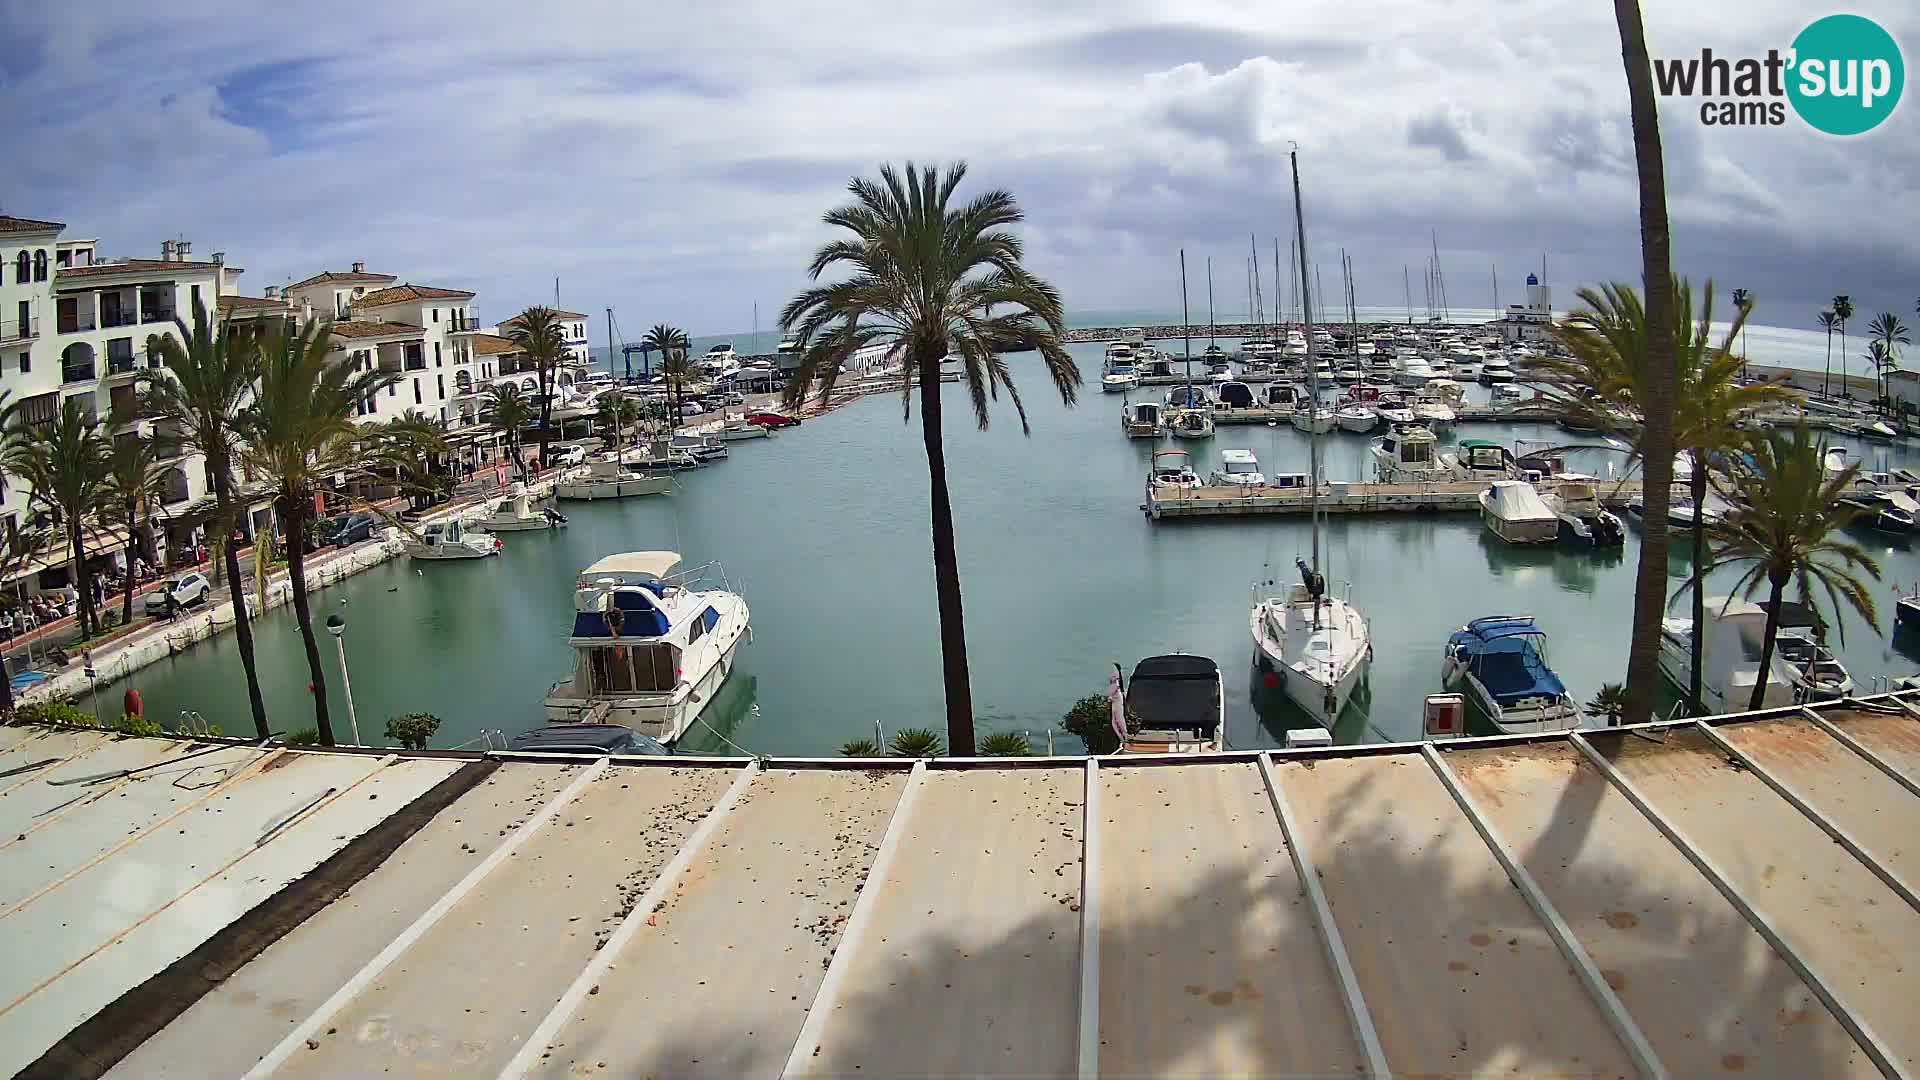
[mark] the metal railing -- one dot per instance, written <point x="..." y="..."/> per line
<point x="119" y="318"/>
<point x="120" y="365"/>
<point x="157" y="315"/>
<point x="75" y="323"/>
<point x="415" y="365"/>
<point x="20" y="329"/>
<point x="77" y="372"/>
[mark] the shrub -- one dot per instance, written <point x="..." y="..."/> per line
<point x="129" y="724"/>
<point x="413" y="730"/>
<point x="54" y="712"/>
<point x="1609" y="704"/>
<point x="916" y="742"/>
<point x="1091" y="721"/>
<point x="859" y="748"/>
<point x="306" y="736"/>
<point x="1005" y="744"/>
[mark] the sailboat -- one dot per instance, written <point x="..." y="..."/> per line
<point x="1193" y="419"/>
<point x="1317" y="645"/>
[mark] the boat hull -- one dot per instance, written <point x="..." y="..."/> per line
<point x="665" y="717"/>
<point x="1320" y="697"/>
<point x="532" y="524"/>
<point x="447" y="552"/>
<point x="586" y="490"/>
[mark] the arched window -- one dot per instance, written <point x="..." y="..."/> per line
<point x="40" y="265"/>
<point x="22" y="267"/>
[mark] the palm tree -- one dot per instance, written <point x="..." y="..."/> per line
<point x="511" y="415"/>
<point x="537" y="331"/>
<point x="617" y="413"/>
<point x="1743" y="303"/>
<point x="1607" y="343"/>
<point x="924" y="273"/>
<point x="194" y="403"/>
<point x="135" y="482"/>
<point x="64" y="464"/>
<point x="409" y="443"/>
<point x="1657" y="396"/>
<point x="679" y="371"/>
<point x="668" y="341"/>
<point x="1889" y="333"/>
<point x="1781" y="526"/>
<point x="1842" y="311"/>
<point x="300" y="433"/>
<point x="1828" y="322"/>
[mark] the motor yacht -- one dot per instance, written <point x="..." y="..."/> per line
<point x="1576" y="502"/>
<point x="650" y="646"/>
<point x="1731" y="648"/>
<point x="1174" y="704"/>
<point x="1513" y="511"/>
<point x="1143" y="420"/>
<point x="1409" y="454"/>
<point x="451" y="540"/>
<point x="1173" y="469"/>
<point x="1499" y="663"/>
<point x="1238" y="468"/>
<point x="517" y="511"/>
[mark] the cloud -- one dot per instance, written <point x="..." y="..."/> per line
<point x="676" y="167"/>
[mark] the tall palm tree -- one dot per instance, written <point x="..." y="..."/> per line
<point x="1842" y="311"/>
<point x="409" y="443"/>
<point x="64" y="464"/>
<point x="194" y="402"/>
<point x="668" y="341"/>
<point x="924" y="273"/>
<point x="510" y="414"/>
<point x="617" y="414"/>
<point x="679" y="372"/>
<point x="135" y="482"/>
<point x="1781" y="527"/>
<point x="1890" y="333"/>
<point x="1743" y="302"/>
<point x="538" y="333"/>
<point x="1828" y="322"/>
<point x="300" y="433"/>
<point x="1606" y="369"/>
<point x="1650" y="580"/>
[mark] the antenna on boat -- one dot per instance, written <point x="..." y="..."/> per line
<point x="1313" y="377"/>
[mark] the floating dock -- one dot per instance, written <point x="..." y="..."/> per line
<point x="1351" y="498"/>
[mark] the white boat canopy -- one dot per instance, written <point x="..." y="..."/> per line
<point x="652" y="563"/>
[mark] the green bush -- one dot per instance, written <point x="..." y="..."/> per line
<point x="1091" y="721"/>
<point x="916" y="742"/>
<point x="306" y="736"/>
<point x="129" y="724"/>
<point x="1005" y="744"/>
<point x="54" y="712"/>
<point x="859" y="748"/>
<point x="413" y="730"/>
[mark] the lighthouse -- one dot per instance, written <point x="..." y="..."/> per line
<point x="1529" y="321"/>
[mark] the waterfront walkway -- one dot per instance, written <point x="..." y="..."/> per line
<point x="1219" y="500"/>
<point x="1728" y="897"/>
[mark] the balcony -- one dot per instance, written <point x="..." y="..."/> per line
<point x="463" y="325"/>
<point x="416" y="363"/>
<point x="74" y="322"/>
<point x="122" y="317"/>
<point x="78" y="373"/>
<point x="155" y="315"/>
<point x="19" y="329"/>
<point x="121" y="365"/>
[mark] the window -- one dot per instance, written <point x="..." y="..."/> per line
<point x="436" y="314"/>
<point x="22" y="268"/>
<point x="392" y="389"/>
<point x="196" y="298"/>
<point x="440" y="385"/>
<point x="40" y="265"/>
<point x="26" y="318"/>
<point x="416" y="391"/>
<point x="436" y="354"/>
<point x="63" y="258"/>
<point x="26" y="362"/>
<point x="697" y="631"/>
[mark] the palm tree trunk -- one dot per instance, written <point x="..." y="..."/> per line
<point x="1827" y="377"/>
<point x="242" y="621"/>
<point x="546" y="412"/>
<point x="1765" y="679"/>
<point x="946" y="566"/>
<point x="126" y="600"/>
<point x="1699" y="636"/>
<point x="1650" y="582"/>
<point x="297" y="511"/>
<point x="82" y="577"/>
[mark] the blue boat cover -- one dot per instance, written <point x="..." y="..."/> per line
<point x="641" y="620"/>
<point x="1502" y="653"/>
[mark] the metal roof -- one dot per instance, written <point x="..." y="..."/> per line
<point x="1672" y="900"/>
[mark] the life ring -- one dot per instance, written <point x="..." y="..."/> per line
<point x="616" y="620"/>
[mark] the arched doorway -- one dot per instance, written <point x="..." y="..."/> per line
<point x="76" y="363"/>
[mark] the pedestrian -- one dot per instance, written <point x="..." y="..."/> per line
<point x="173" y="606"/>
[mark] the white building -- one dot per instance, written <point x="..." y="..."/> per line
<point x="573" y="328"/>
<point x="1529" y="321"/>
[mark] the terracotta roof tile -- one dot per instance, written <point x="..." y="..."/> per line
<point x="132" y="266"/>
<point x="515" y="321"/>
<point x="251" y="304"/>
<point x="355" y="328"/>
<point x="347" y="276"/>
<point x="10" y="224"/>
<point x="401" y="294"/>
<point x="493" y="345"/>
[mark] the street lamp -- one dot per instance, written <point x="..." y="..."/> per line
<point x="337" y="626"/>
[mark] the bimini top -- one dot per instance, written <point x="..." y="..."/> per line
<point x="1504" y="657"/>
<point x="1490" y="627"/>
<point x="650" y="563"/>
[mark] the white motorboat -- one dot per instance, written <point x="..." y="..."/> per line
<point x="1174" y="704"/>
<point x="1414" y="370"/>
<point x="1731" y="650"/>
<point x="1499" y="663"/>
<point x="614" y="480"/>
<point x="1319" y="646"/>
<point x="517" y="511"/>
<point x="650" y="647"/>
<point x="661" y="455"/>
<point x="1437" y="415"/>
<point x="1238" y="468"/>
<point x="1879" y="431"/>
<point x="1683" y="467"/>
<point x="1350" y="373"/>
<point x="1681" y="514"/>
<point x="1818" y="675"/>
<point x="1835" y="462"/>
<point x="1496" y="369"/>
<point x="1481" y="459"/>
<point x="1357" y="417"/>
<point x="1513" y="511"/>
<point x="1134" y="336"/>
<point x="702" y="448"/>
<point x="451" y="540"/>
<point x="1886" y="510"/>
<point x="1191" y="424"/>
<point x="1409" y="454"/>
<point x="1118" y="374"/>
<point x="1173" y="469"/>
<point x="1576" y="502"/>
<point x="737" y="429"/>
<point x="1143" y="420"/>
<point x="1280" y="398"/>
<point x="1508" y="394"/>
<point x="1314" y="418"/>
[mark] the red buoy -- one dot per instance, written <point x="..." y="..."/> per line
<point x="131" y="704"/>
<point x="1271" y="680"/>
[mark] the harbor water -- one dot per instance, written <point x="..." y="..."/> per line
<point x="824" y="529"/>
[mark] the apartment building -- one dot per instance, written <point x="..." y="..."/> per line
<point x="573" y="328"/>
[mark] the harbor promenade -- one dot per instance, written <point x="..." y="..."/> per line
<point x="1216" y="501"/>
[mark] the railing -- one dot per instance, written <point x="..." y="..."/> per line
<point x="19" y="329"/>
<point x="459" y="324"/>
<point x="77" y="372"/>
<point x="120" y="365"/>
<point x="75" y="323"/>
<point x="159" y="315"/>
<point x="119" y="318"/>
<point x="416" y="365"/>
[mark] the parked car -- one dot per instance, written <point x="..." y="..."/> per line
<point x="351" y="529"/>
<point x="594" y="739"/>
<point x="187" y="590"/>
<point x="771" y="419"/>
<point x="691" y="407"/>
<point x="569" y="456"/>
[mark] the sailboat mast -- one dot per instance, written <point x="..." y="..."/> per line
<point x="1277" y="317"/>
<point x="1259" y="297"/>
<point x="1209" y="301"/>
<point x="1313" y="376"/>
<point x="1496" y="290"/>
<point x="1185" y="329"/>
<point x="619" y="438"/>
<point x="1406" y="286"/>
<point x="1440" y="278"/>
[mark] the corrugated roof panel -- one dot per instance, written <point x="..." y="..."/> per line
<point x="1461" y="977"/>
<point x="27" y="760"/>
<point x="461" y="1000"/>
<point x="970" y="964"/>
<point x="1894" y="739"/>
<point x="1853" y="931"/>
<point x="235" y="1025"/>
<point x="1210" y="962"/>
<point x="705" y="990"/>
<point x="1708" y="992"/>
<point x="31" y="805"/>
<point x="28" y="1029"/>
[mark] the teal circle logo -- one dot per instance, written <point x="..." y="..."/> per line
<point x="1846" y="76"/>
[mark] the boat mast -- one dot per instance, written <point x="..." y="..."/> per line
<point x="1496" y="290"/>
<point x="1440" y="278"/>
<point x="1259" y="297"/>
<point x="1184" y="328"/>
<point x="1313" y="378"/>
<point x="1277" y="317"/>
<point x="1209" y="301"/>
<point x="619" y="441"/>
<point x="1406" y="286"/>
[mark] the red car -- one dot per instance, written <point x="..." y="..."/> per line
<point x="768" y="419"/>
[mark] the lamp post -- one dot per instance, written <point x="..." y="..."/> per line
<point x="337" y="626"/>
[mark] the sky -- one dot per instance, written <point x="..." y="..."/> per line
<point x="673" y="162"/>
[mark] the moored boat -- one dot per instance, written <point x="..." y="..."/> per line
<point x="1513" y="511"/>
<point x="1172" y="470"/>
<point x="1731" y="647"/>
<point x="1174" y="704"/>
<point x="1143" y="420"/>
<point x="1499" y="663"/>
<point x="1238" y="468"/>
<point x="451" y="540"/>
<point x="614" y="480"/>
<point x="1576" y="502"/>
<point x="517" y="511"/>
